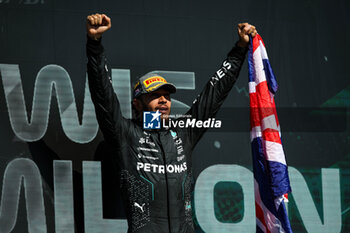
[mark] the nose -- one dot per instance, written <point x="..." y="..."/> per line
<point x="162" y="99"/>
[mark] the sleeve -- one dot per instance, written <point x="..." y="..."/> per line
<point x="208" y="102"/>
<point x="106" y="103"/>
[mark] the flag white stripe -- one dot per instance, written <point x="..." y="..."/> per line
<point x="263" y="51"/>
<point x="278" y="201"/>
<point x="255" y="133"/>
<point x="252" y="86"/>
<point x="258" y="66"/>
<point x="269" y="122"/>
<point x="274" y="152"/>
<point x="273" y="224"/>
<point x="260" y="225"/>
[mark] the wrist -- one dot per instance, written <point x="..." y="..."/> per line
<point x="242" y="44"/>
<point x="95" y="37"/>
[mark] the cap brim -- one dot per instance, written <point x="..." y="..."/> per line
<point x="167" y="86"/>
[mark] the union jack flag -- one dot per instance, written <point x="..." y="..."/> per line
<point x="271" y="180"/>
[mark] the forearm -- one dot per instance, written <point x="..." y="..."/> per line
<point x="99" y="80"/>
<point x="102" y="93"/>
<point x="220" y="84"/>
<point x="215" y="91"/>
<point x="228" y="73"/>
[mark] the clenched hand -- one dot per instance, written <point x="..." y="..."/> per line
<point x="97" y="24"/>
<point x="244" y="30"/>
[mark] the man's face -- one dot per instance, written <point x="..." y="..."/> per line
<point x="157" y="100"/>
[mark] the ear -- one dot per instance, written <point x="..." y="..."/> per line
<point x="137" y="105"/>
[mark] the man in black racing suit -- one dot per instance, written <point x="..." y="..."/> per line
<point x="155" y="165"/>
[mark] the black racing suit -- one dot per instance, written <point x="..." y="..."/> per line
<point x="155" y="165"/>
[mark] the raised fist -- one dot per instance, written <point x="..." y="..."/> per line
<point x="97" y="24"/>
<point x="244" y="30"/>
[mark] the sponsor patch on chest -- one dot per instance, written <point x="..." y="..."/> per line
<point x="155" y="168"/>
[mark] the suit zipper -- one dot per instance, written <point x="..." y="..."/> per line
<point x="166" y="181"/>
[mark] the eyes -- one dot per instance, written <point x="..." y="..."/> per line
<point x="156" y="95"/>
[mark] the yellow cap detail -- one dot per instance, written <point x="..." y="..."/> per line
<point x="154" y="79"/>
<point x="138" y="83"/>
<point x="151" y="88"/>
